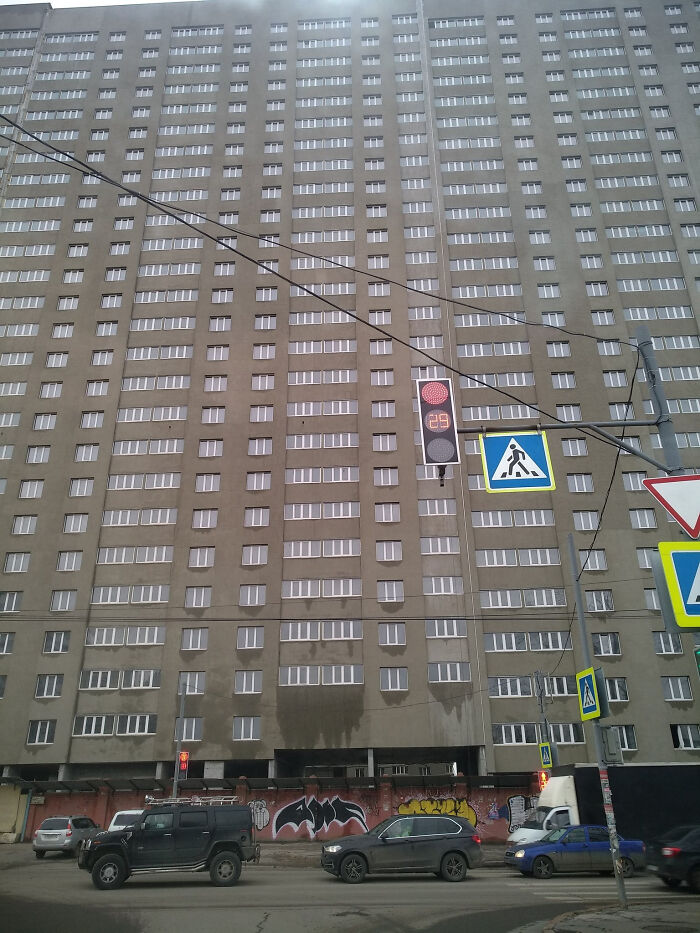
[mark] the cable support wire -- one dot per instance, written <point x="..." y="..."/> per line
<point x="85" y="167"/>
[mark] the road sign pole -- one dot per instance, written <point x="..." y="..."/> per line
<point x="180" y="732"/>
<point x="598" y="737"/>
<point x="667" y="435"/>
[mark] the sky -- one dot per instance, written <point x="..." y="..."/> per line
<point x="58" y="4"/>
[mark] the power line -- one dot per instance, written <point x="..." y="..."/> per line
<point x="261" y="264"/>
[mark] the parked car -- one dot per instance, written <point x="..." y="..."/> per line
<point x="575" y="848"/>
<point x="675" y="856"/>
<point x="178" y="836"/>
<point x="63" y="834"/>
<point x="124" y="818"/>
<point x="444" y="845"/>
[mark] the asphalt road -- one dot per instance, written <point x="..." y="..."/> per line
<point x="54" y="896"/>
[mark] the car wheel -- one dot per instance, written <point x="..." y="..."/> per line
<point x="542" y="867"/>
<point x="109" y="872"/>
<point x="353" y="869"/>
<point x="40" y="853"/>
<point x="453" y="867"/>
<point x="694" y="879"/>
<point x="626" y="867"/>
<point x="670" y="882"/>
<point x="225" y="869"/>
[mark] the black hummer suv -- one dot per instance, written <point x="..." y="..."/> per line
<point x="174" y="837"/>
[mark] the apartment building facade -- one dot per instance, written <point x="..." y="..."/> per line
<point x="231" y="238"/>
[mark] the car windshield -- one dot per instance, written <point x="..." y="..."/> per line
<point x="678" y="832"/>
<point x="55" y="824"/>
<point x="555" y="835"/>
<point x="535" y="818"/>
<point x="380" y="827"/>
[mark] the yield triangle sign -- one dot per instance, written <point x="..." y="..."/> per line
<point x="516" y="463"/>
<point x="680" y="496"/>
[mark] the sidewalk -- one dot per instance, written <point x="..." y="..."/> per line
<point x="677" y="914"/>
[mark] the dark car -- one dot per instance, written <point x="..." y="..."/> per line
<point x="63" y="834"/>
<point x="675" y="857"/>
<point x="174" y="837"/>
<point x="575" y="848"/>
<point x="444" y="845"/>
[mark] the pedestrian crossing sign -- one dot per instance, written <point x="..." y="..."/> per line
<point x="588" y="700"/>
<point x="681" y="563"/>
<point x="545" y="754"/>
<point x="516" y="461"/>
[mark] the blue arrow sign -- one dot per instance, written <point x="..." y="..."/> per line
<point x="516" y="462"/>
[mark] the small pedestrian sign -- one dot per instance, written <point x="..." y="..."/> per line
<point x="545" y="754"/>
<point x="681" y="563"/>
<point x="516" y="462"/>
<point x="588" y="700"/>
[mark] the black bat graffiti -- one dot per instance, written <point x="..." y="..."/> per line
<point x="318" y="814"/>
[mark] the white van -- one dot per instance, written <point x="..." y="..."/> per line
<point x="124" y="818"/>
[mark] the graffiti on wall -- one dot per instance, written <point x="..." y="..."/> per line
<point x="318" y="814"/>
<point x="515" y="809"/>
<point x="443" y="806"/>
<point x="261" y="813"/>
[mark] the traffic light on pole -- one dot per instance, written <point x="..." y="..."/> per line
<point x="542" y="779"/>
<point x="437" y="421"/>
<point x="183" y="763"/>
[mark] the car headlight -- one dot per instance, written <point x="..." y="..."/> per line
<point x="520" y="853"/>
<point x="334" y="848"/>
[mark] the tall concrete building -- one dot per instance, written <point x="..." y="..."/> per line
<point x="232" y="236"/>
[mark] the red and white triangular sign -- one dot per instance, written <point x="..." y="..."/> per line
<point x="680" y="496"/>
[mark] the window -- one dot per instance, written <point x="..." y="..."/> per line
<point x="686" y="735"/>
<point x="393" y="678"/>
<point x="599" y="601"/>
<point x="41" y="731"/>
<point x="642" y="518"/>
<point x="676" y="689"/>
<point x="449" y="672"/>
<point x="606" y="643"/>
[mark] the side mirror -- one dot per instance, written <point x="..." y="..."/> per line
<point x="142" y="825"/>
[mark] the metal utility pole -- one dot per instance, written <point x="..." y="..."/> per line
<point x="667" y="435"/>
<point x="181" y="723"/>
<point x="598" y="737"/>
<point x="540" y="688"/>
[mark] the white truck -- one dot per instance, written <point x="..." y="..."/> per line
<point x="647" y="799"/>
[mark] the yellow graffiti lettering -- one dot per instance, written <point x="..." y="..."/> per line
<point x="443" y="806"/>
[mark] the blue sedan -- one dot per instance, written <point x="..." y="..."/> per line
<point x="575" y="848"/>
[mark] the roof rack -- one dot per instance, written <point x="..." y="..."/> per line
<point x="191" y="801"/>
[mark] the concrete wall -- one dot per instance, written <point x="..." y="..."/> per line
<point x="309" y="812"/>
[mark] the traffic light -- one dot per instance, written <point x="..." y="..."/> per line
<point x="183" y="763"/>
<point x="437" y="421"/>
<point x="542" y="778"/>
<point x="697" y="658"/>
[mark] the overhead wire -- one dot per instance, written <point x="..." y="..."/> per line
<point x="151" y="202"/>
<point x="70" y="161"/>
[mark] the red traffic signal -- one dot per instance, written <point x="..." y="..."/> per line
<point x="183" y="763"/>
<point x="437" y="421"/>
<point x="542" y="779"/>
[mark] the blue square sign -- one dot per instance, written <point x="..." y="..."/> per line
<point x="516" y="462"/>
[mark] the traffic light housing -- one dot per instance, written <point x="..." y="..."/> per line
<point x="697" y="658"/>
<point x="437" y="422"/>
<point x="183" y="763"/>
<point x="542" y="778"/>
